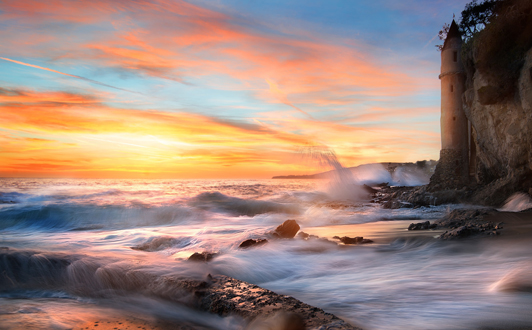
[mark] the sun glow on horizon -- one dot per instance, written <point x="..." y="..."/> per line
<point x="157" y="89"/>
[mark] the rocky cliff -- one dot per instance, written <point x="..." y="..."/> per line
<point x="498" y="103"/>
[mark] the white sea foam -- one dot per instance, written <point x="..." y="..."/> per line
<point x="517" y="202"/>
<point x="414" y="281"/>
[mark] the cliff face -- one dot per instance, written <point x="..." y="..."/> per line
<point x="502" y="130"/>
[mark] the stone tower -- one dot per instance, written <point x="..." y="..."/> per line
<point x="452" y="170"/>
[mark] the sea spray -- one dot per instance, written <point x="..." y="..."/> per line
<point x="517" y="202"/>
<point x="342" y="185"/>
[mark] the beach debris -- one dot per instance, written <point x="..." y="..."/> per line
<point x="422" y="226"/>
<point x="203" y="256"/>
<point x="353" y="240"/>
<point x="287" y="229"/>
<point x="252" y="242"/>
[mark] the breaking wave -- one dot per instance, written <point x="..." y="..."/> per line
<point x="85" y="217"/>
<point x="517" y="202"/>
<point x="218" y="202"/>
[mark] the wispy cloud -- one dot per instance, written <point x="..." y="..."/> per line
<point x="67" y="74"/>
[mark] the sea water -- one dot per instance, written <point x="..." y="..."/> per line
<point x="74" y="250"/>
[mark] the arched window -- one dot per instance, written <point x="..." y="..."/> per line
<point x="452" y="88"/>
<point x="455" y="56"/>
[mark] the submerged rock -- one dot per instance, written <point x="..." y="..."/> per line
<point x="287" y="229"/>
<point x="353" y="240"/>
<point x="252" y="242"/>
<point x="203" y="256"/>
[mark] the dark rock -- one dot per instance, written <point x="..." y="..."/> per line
<point x="203" y="256"/>
<point x="468" y="222"/>
<point x="303" y="235"/>
<point x="353" y="240"/>
<point x="252" y="242"/>
<point x="460" y="232"/>
<point x="392" y="204"/>
<point x="287" y="229"/>
<point x="369" y="189"/>
<point x="461" y="217"/>
<point x="420" y="226"/>
<point x="228" y="296"/>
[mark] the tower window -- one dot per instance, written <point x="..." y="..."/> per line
<point x="455" y="56"/>
<point x="452" y="89"/>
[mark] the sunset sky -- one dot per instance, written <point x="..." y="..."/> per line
<point x="216" y="88"/>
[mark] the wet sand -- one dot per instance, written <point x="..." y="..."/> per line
<point x="381" y="232"/>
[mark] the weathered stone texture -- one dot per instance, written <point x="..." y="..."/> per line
<point x="503" y="129"/>
<point x="451" y="171"/>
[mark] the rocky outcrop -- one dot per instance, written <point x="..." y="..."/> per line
<point x="224" y="296"/>
<point x="503" y="134"/>
<point x="287" y="229"/>
<point x="468" y="222"/>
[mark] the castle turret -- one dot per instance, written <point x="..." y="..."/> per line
<point x="453" y="167"/>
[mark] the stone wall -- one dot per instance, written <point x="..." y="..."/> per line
<point x="451" y="171"/>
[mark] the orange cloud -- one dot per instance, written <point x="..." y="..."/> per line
<point x="61" y="133"/>
<point x="180" y="41"/>
<point x="85" y="135"/>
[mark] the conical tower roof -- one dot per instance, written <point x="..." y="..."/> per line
<point x="454" y="32"/>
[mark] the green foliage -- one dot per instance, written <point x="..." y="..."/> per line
<point x="476" y="16"/>
<point x="442" y="35"/>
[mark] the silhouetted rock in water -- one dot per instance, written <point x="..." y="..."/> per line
<point x="353" y="240"/>
<point x="252" y="242"/>
<point x="225" y="296"/>
<point x="203" y="256"/>
<point x="422" y="226"/>
<point x="287" y="229"/>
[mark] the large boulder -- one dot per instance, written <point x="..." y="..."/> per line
<point x="287" y="229"/>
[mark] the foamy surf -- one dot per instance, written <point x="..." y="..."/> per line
<point x="97" y="243"/>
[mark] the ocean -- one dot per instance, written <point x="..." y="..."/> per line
<point x="76" y="250"/>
